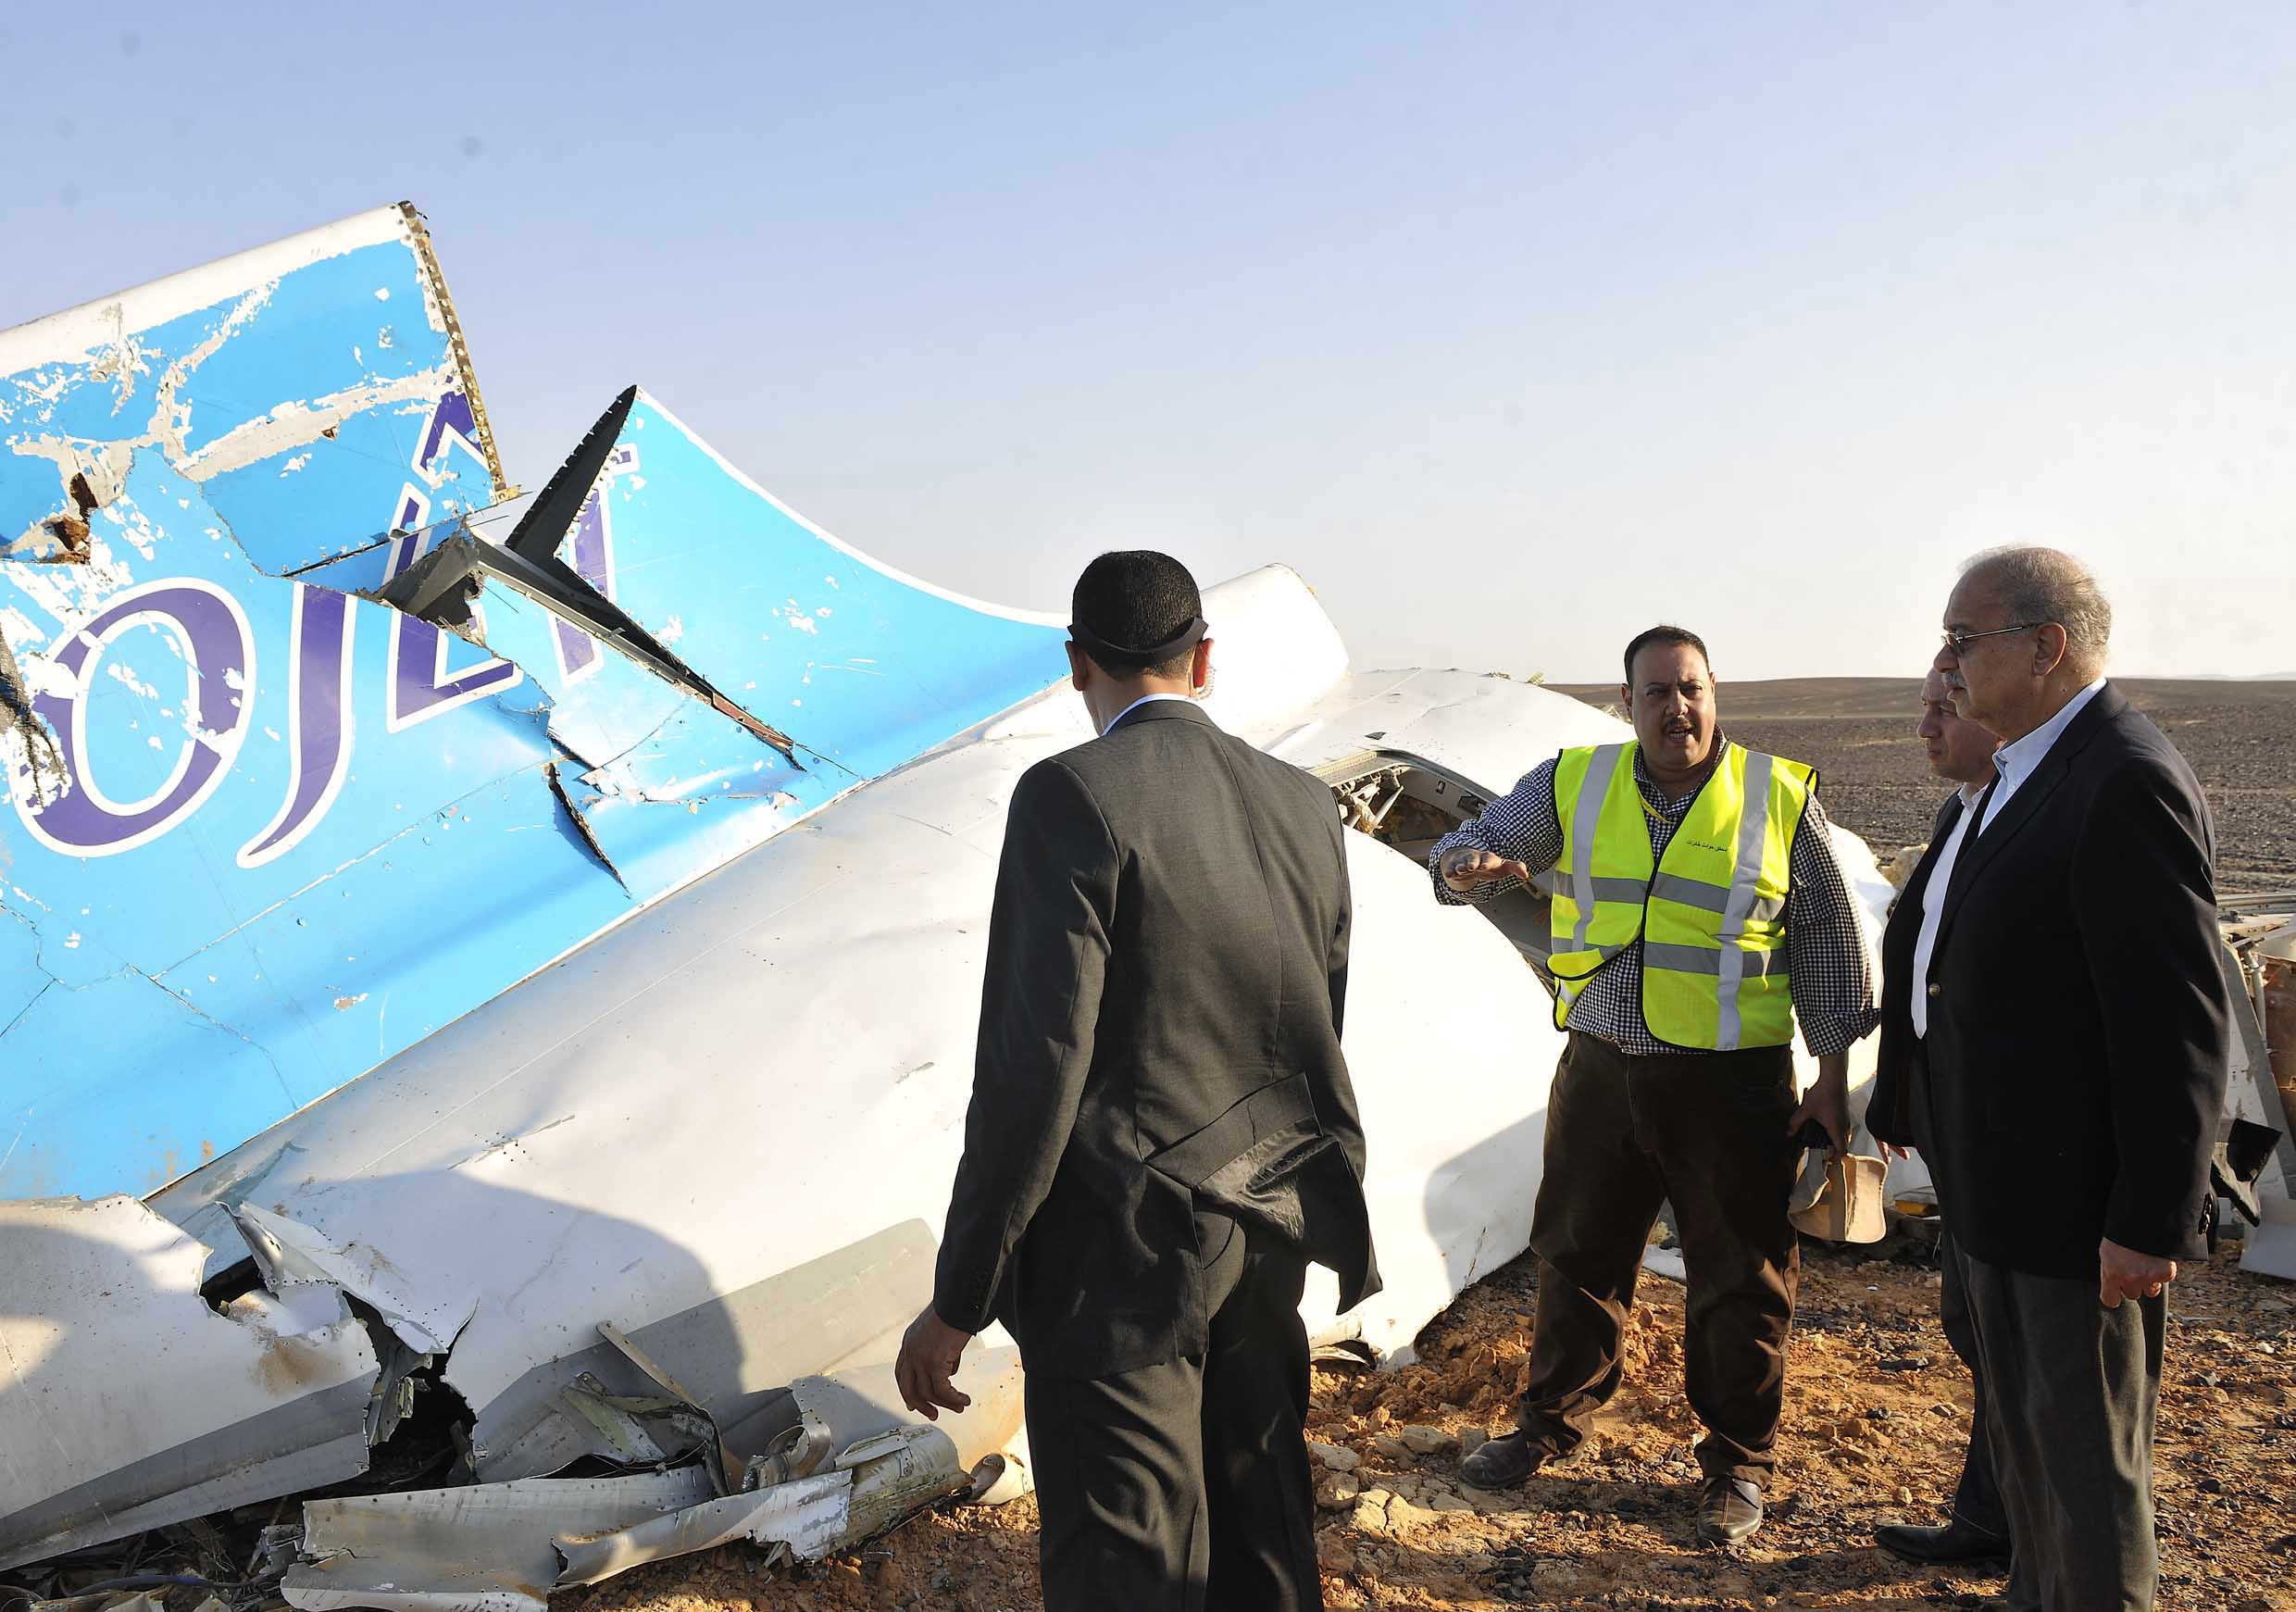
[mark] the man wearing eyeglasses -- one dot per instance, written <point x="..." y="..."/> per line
<point x="1961" y="753"/>
<point x="2069" y="1051"/>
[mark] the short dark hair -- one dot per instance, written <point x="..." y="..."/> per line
<point x="1664" y="633"/>
<point x="1136" y="597"/>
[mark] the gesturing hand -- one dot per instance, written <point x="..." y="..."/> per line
<point x="1464" y="868"/>
<point x="930" y="1352"/>
<point x="2125" y="1273"/>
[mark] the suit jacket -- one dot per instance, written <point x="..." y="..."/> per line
<point x="2079" y="1030"/>
<point x="1159" y="1064"/>
<point x="1890" y="1108"/>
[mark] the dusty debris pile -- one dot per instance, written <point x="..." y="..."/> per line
<point x="1878" y="1412"/>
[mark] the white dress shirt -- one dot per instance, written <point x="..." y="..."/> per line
<point x="1136" y="706"/>
<point x="2020" y="758"/>
<point x="2012" y="764"/>
<point x="1933" y="904"/>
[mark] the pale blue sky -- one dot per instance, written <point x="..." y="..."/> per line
<point x="1512" y="328"/>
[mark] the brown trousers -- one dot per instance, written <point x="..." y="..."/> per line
<point x="1706" y="1132"/>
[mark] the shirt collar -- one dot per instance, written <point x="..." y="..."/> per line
<point x="1713" y="758"/>
<point x="1135" y="706"/>
<point x="2016" y="761"/>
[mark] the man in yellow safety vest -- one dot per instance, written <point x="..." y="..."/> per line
<point x="1698" y="910"/>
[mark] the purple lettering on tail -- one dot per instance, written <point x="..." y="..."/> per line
<point x="219" y="656"/>
<point x="320" y="718"/>
<point x="452" y="414"/>
<point x="592" y="557"/>
<point x="419" y="686"/>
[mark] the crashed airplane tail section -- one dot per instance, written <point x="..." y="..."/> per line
<point x="303" y="768"/>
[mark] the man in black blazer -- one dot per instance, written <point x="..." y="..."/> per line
<point x="2071" y="1043"/>
<point x="1162" y="1134"/>
<point x="1961" y="753"/>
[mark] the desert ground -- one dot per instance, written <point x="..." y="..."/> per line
<point x="2240" y="737"/>
<point x="1878" y="1411"/>
<point x="1877" y="1408"/>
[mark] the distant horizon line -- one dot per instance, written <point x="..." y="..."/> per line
<point x="2189" y="676"/>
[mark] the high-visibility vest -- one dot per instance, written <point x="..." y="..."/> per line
<point x="1710" y="913"/>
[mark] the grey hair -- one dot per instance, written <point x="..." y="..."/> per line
<point x="2047" y="584"/>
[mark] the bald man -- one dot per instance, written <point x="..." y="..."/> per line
<point x="1961" y="753"/>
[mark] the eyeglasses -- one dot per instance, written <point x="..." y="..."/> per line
<point x="1959" y="642"/>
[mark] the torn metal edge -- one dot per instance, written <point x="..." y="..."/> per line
<point x="418" y="232"/>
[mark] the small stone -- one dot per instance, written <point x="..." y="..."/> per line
<point x="1336" y="1492"/>
<point x="1904" y="1495"/>
<point x="1334" y="1457"/>
<point x="1332" y="1554"/>
<point x="1394" y="1448"/>
<point x="1427" y="1440"/>
<point x="1472" y="1440"/>
<point x="1448" y="1503"/>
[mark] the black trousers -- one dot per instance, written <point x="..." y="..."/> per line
<point x="1706" y="1130"/>
<point x="1185" y="1487"/>
<point x="2071" y="1388"/>
<point x="1977" y="1498"/>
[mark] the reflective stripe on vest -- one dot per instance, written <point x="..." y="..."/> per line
<point x="1711" y="912"/>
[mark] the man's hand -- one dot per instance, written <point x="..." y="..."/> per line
<point x="2125" y="1273"/>
<point x="1890" y="1150"/>
<point x="929" y="1351"/>
<point x="1828" y="1103"/>
<point x="1464" y="868"/>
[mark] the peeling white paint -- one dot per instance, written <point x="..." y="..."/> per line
<point x="293" y="424"/>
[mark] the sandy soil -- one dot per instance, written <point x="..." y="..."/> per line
<point x="1878" y="1413"/>
<point x="2240" y="737"/>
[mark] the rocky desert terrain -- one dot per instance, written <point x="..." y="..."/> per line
<point x="1878" y="1411"/>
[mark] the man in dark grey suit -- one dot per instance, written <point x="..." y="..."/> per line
<point x="1162" y="1134"/>
<point x="1961" y="753"/>
<point x="2075" y="1034"/>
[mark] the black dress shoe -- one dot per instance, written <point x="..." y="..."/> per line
<point x="1502" y="1463"/>
<point x="1956" y="1541"/>
<point x="1729" y="1510"/>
